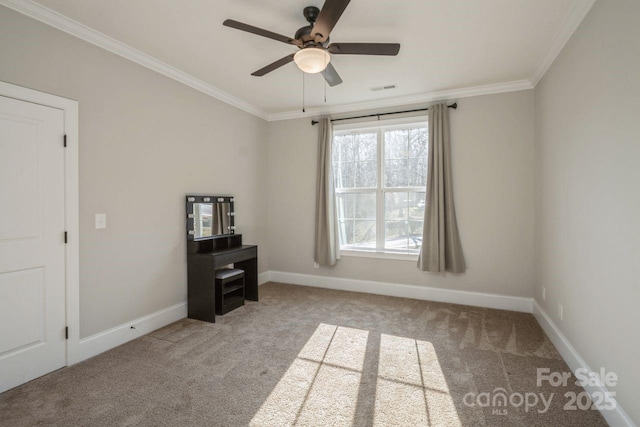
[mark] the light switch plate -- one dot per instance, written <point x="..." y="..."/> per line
<point x="101" y="221"/>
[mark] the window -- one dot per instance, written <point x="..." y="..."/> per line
<point x="380" y="174"/>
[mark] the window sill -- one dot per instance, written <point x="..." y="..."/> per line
<point x="382" y="255"/>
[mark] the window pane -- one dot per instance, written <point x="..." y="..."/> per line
<point x="346" y="232"/>
<point x="404" y="205"/>
<point x="357" y="219"/>
<point x="355" y="160"/>
<point x="418" y="138"/>
<point x="365" y="234"/>
<point x="366" y="174"/>
<point x="416" y="206"/>
<point x="396" y="144"/>
<point x="360" y="206"/>
<point x="417" y="172"/>
<point x="396" y="213"/>
<point x="396" y="205"/>
<point x="403" y="235"/>
<point x="405" y="157"/>
<point x="415" y="234"/>
<point x="343" y="148"/>
<point x="358" y="234"/>
<point x="396" y="173"/>
<point x="366" y="146"/>
<point x="395" y="235"/>
<point x="396" y="154"/>
<point x="344" y="174"/>
<point x="404" y="216"/>
<point x="344" y="206"/>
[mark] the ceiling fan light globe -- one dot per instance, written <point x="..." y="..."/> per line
<point x="312" y="59"/>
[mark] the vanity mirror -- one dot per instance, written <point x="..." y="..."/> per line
<point x="209" y="216"/>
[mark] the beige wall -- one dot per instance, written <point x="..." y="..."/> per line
<point x="145" y="141"/>
<point x="587" y="193"/>
<point x="493" y="180"/>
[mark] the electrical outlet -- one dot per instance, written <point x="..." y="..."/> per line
<point x="316" y="265"/>
<point x="544" y="293"/>
<point x="561" y="311"/>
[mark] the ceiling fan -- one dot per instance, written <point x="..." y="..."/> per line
<point x="315" y="51"/>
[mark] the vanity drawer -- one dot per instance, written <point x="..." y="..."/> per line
<point x="236" y="256"/>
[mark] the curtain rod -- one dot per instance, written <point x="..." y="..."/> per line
<point x="315" y="122"/>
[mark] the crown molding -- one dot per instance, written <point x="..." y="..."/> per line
<point x="578" y="12"/>
<point x="444" y="95"/>
<point x="34" y="10"/>
<point x="81" y="31"/>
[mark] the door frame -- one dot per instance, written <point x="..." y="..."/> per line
<point x="71" y="205"/>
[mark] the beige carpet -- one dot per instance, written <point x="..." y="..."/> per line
<point x="313" y="357"/>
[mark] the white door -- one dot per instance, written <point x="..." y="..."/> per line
<point x="32" y="248"/>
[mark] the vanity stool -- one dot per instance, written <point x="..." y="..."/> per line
<point x="229" y="289"/>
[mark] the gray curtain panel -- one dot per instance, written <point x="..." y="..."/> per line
<point x="441" y="249"/>
<point x="327" y="244"/>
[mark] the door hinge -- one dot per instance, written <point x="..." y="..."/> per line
<point x="66" y="332"/>
<point x="65" y="140"/>
<point x="65" y="237"/>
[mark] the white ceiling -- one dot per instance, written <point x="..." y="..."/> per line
<point x="447" y="45"/>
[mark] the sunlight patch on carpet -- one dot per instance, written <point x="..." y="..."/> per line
<point x="321" y="386"/>
<point x="411" y="388"/>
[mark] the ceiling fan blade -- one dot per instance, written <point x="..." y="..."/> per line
<point x="274" y="65"/>
<point x="259" y="31"/>
<point x="391" y="49"/>
<point x="331" y="75"/>
<point x="329" y="15"/>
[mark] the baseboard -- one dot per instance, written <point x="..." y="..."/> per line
<point x="477" y="299"/>
<point x="615" y="417"/>
<point x="106" y="340"/>
<point x="263" y="278"/>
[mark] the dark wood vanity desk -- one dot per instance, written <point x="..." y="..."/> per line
<point x="204" y="257"/>
<point x="211" y="245"/>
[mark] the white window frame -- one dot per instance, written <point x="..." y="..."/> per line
<point x="381" y="126"/>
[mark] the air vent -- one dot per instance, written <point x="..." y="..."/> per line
<point x="381" y="88"/>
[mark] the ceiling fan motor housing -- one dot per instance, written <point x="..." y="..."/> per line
<point x="303" y="33"/>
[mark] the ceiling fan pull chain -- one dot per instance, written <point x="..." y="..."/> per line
<point x="325" y="80"/>
<point x="303" y="93"/>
